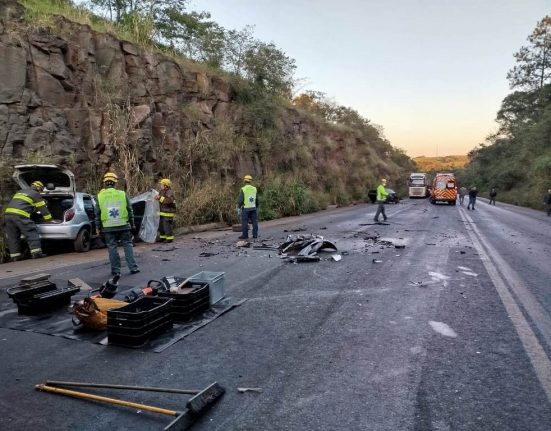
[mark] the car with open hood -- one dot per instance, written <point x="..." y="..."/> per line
<point x="73" y="212"/>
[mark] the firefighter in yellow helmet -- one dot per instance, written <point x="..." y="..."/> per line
<point x="115" y="219"/>
<point x="247" y="203"/>
<point x="167" y="211"/>
<point x="17" y="216"/>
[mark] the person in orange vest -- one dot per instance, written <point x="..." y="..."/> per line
<point x="17" y="217"/>
<point x="247" y="203"/>
<point x="167" y="211"/>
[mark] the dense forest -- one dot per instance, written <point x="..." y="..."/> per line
<point x="517" y="159"/>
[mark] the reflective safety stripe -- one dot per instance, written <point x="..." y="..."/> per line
<point x="161" y="199"/>
<point x="162" y="236"/>
<point x="18" y="212"/>
<point x="169" y="237"/>
<point x="40" y="204"/>
<point x="15" y="254"/>
<point x="23" y="197"/>
<point x="36" y="250"/>
<point x="47" y="217"/>
<point x="162" y="214"/>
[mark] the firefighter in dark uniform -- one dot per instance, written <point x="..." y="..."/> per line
<point x="167" y="211"/>
<point x="247" y="203"/>
<point x="17" y="216"/>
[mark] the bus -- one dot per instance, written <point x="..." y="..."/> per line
<point x="418" y="185"/>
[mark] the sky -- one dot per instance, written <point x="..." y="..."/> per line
<point x="432" y="73"/>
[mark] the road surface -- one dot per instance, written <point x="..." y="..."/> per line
<point x="452" y="332"/>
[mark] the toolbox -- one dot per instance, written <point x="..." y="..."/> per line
<point x="193" y="300"/>
<point x="215" y="281"/>
<point x="137" y="323"/>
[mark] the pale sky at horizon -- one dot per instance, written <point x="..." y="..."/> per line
<point x="431" y="72"/>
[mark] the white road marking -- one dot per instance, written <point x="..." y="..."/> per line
<point x="472" y="274"/>
<point x="464" y="268"/>
<point x="506" y="281"/>
<point x="442" y="329"/>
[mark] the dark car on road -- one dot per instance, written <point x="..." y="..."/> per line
<point x="391" y="198"/>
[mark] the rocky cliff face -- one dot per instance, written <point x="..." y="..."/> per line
<point x="81" y="97"/>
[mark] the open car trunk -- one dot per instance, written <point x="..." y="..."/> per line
<point x="57" y="204"/>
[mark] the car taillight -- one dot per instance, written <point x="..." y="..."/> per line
<point x="69" y="214"/>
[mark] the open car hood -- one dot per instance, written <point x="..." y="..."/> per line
<point x="56" y="179"/>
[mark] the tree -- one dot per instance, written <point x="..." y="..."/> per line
<point x="269" y="68"/>
<point x="533" y="69"/>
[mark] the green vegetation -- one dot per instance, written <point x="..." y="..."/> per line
<point x="517" y="160"/>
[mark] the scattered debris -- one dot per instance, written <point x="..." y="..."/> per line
<point x="323" y="228"/>
<point x="377" y="261"/>
<point x="430" y="243"/>
<point x="243" y="243"/>
<point x="296" y="229"/>
<point x="416" y="283"/>
<point x="336" y="257"/>
<point x="399" y="246"/>
<point x="265" y="246"/>
<point x="298" y="259"/>
<point x="206" y="254"/>
<point x="243" y="390"/>
<point x="165" y="249"/>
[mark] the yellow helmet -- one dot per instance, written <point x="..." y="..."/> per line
<point x="247" y="178"/>
<point x="38" y="184"/>
<point x="110" y="177"/>
<point x="165" y="182"/>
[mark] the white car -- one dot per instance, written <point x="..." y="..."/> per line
<point x="73" y="212"/>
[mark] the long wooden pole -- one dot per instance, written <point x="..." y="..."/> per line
<point x="88" y="396"/>
<point x="132" y="388"/>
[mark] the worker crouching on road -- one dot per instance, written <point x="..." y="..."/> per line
<point x="115" y="218"/>
<point x="167" y="211"/>
<point x="247" y="204"/>
<point x="381" y="198"/>
<point x="17" y="216"/>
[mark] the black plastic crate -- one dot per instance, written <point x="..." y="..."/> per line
<point x="139" y="313"/>
<point x="139" y="339"/>
<point x="23" y="292"/>
<point x="185" y="306"/>
<point x="119" y="329"/>
<point x="46" y="301"/>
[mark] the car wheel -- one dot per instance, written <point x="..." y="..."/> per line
<point x="83" y="241"/>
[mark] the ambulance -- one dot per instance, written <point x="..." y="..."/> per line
<point x="444" y="188"/>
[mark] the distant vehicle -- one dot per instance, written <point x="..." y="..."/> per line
<point x="73" y="212"/>
<point x="391" y="198"/>
<point x="444" y="188"/>
<point x="418" y="185"/>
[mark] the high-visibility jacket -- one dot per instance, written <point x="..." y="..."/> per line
<point x="26" y="202"/>
<point x="249" y="197"/>
<point x="114" y="209"/>
<point x="381" y="193"/>
<point x="167" y="203"/>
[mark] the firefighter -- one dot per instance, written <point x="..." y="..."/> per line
<point x="167" y="211"/>
<point x="115" y="218"/>
<point x="247" y="203"/>
<point x="381" y="199"/>
<point x="18" y="221"/>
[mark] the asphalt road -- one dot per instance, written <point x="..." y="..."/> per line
<point x="452" y="332"/>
